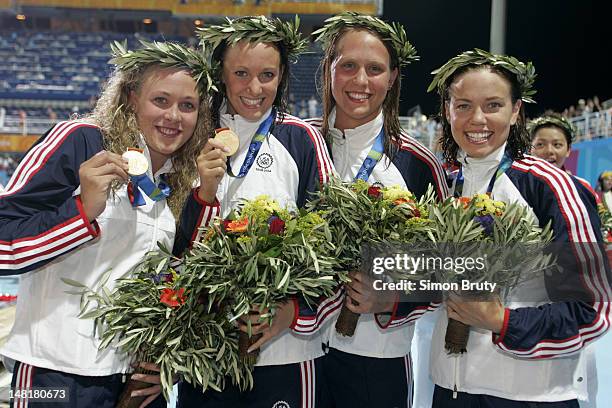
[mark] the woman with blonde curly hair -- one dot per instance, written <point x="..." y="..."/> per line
<point x="79" y="206"/>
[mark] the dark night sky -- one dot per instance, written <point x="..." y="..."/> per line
<point x="567" y="41"/>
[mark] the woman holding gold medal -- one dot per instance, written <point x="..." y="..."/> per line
<point x="528" y="351"/>
<point x="76" y="209"/>
<point x="278" y="155"/>
<point x="361" y="86"/>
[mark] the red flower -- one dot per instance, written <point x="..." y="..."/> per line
<point x="374" y="192"/>
<point x="276" y="225"/>
<point x="172" y="298"/>
<point x="236" y="226"/>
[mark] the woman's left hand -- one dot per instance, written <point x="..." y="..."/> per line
<point x="150" y="392"/>
<point x="283" y="317"/>
<point x="363" y="298"/>
<point x="484" y="314"/>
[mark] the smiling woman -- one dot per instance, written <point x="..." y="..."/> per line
<point x="481" y="111"/>
<point x="70" y="211"/>
<point x="251" y="76"/>
<point x="166" y="106"/>
<point x="360" y="87"/>
<point x="538" y="342"/>
<point x="280" y="156"/>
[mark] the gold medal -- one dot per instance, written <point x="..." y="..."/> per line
<point x="229" y="139"/>
<point x="137" y="162"/>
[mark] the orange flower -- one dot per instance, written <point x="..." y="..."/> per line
<point x="403" y="200"/>
<point x="172" y="298"/>
<point x="237" y="225"/>
<point x="465" y="201"/>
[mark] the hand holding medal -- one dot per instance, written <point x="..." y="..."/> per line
<point x="212" y="162"/>
<point x="96" y="176"/>
<point x="138" y="165"/>
<point x="229" y="139"/>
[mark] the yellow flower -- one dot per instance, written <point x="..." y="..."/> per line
<point x="395" y="193"/>
<point x="261" y="208"/>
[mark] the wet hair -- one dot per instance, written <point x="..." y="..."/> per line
<point x="519" y="142"/>
<point x="390" y="106"/>
<point x="116" y="118"/>
<point x="280" y="101"/>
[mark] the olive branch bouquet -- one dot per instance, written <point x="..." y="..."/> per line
<point x="361" y="214"/>
<point x="155" y="316"/>
<point x="505" y="235"/>
<point x="260" y="256"/>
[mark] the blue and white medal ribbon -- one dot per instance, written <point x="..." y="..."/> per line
<point x="140" y="181"/>
<point x="374" y="156"/>
<point x="256" y="141"/>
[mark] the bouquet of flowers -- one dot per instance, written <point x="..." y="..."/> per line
<point x="155" y="316"/>
<point x="362" y="214"/>
<point x="260" y="256"/>
<point x="505" y="236"/>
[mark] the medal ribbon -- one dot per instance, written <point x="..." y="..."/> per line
<point x="504" y="165"/>
<point x="373" y="157"/>
<point x="145" y="184"/>
<point x="256" y="141"/>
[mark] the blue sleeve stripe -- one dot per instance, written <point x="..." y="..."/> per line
<point x="37" y="157"/>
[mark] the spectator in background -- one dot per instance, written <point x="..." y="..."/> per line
<point x="292" y="107"/>
<point x="51" y="114"/>
<point x="23" y="122"/>
<point x="551" y="139"/>
<point x="581" y="107"/>
<point x="604" y="188"/>
<point x="2" y="116"/>
<point x="596" y="105"/>
<point x="303" y="112"/>
<point x="75" y="112"/>
<point x="313" y="106"/>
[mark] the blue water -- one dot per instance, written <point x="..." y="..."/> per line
<point x="603" y="355"/>
<point x="9" y="285"/>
